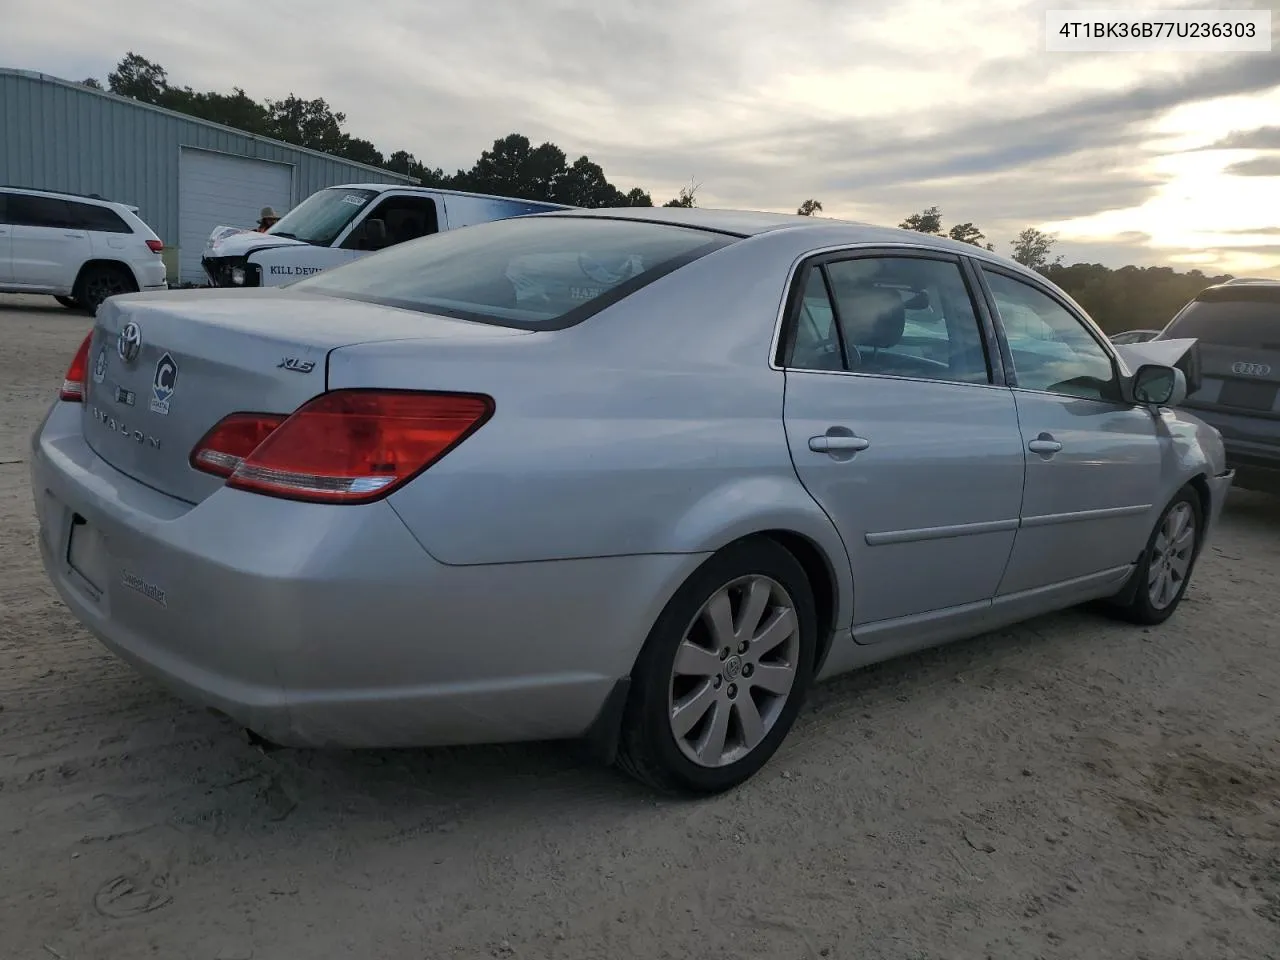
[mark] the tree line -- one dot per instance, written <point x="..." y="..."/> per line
<point x="512" y="167"/>
<point x="1128" y="298"/>
<point x="1123" y="299"/>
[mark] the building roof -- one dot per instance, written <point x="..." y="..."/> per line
<point x="138" y="104"/>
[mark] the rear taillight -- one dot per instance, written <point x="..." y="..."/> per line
<point x="224" y="447"/>
<point x="73" y="380"/>
<point x="155" y="246"/>
<point x="349" y="446"/>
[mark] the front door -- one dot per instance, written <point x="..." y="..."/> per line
<point x="1093" y="461"/>
<point x="897" y="430"/>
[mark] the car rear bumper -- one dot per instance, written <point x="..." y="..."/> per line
<point x="332" y="626"/>
<point x="1256" y="460"/>
<point x="1257" y="464"/>
<point x="151" y="274"/>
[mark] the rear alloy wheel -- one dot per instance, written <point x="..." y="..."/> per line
<point x="723" y="673"/>
<point x="1166" y="566"/>
<point x="99" y="283"/>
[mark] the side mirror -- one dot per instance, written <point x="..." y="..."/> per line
<point x="1159" y="386"/>
<point x="375" y="234"/>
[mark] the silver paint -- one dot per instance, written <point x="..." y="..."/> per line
<point x="502" y="593"/>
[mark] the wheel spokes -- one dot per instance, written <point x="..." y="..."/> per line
<point x="733" y="670"/>
<point x="695" y="661"/>
<point x="749" y="720"/>
<point x="775" y="678"/>
<point x="718" y="616"/>
<point x="710" y="747"/>
<point x="753" y="609"/>
<point x="687" y="713"/>
<point x="781" y="626"/>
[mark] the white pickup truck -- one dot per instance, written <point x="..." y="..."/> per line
<point x="339" y="224"/>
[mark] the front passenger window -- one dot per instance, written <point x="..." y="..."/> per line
<point x="1052" y="350"/>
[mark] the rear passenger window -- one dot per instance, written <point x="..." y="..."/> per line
<point x="103" y="219"/>
<point x="890" y="316"/>
<point x="29" y="211"/>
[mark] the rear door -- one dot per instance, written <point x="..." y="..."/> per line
<point x="1238" y="332"/>
<point x="904" y="437"/>
<point x="1093" y="461"/>
<point x="48" y="245"/>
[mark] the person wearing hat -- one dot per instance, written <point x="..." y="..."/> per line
<point x="267" y="219"/>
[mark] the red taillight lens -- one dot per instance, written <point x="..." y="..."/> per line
<point x="74" y="379"/>
<point x="235" y="437"/>
<point x="155" y="246"/>
<point x="349" y="446"/>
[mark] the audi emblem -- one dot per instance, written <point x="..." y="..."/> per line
<point x="129" y="342"/>
<point x="1251" y="369"/>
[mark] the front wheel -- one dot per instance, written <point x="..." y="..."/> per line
<point x="1164" y="572"/>
<point x="71" y="303"/>
<point x="723" y="672"/>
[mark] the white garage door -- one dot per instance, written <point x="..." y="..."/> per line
<point x="215" y="189"/>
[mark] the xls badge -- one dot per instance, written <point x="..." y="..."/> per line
<point x="162" y="385"/>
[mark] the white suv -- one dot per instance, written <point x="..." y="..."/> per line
<point x="79" y="249"/>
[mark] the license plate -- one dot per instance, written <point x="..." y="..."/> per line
<point x="87" y="553"/>
<point x="1248" y="395"/>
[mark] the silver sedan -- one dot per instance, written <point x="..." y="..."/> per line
<point x="638" y="476"/>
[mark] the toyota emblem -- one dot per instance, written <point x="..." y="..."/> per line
<point x="1250" y="369"/>
<point x="129" y="342"/>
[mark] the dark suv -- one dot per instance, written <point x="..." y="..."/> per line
<point x="1238" y="329"/>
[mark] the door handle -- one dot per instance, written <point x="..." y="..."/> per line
<point x="74" y="235"/>
<point x="830" y="444"/>
<point x="1044" y="445"/>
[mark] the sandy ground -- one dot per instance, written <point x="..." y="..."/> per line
<point x="1071" y="788"/>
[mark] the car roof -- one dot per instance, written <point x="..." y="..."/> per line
<point x="821" y="231"/>
<point x="415" y="188"/>
<point x="91" y="198"/>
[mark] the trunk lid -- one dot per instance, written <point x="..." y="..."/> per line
<point x="1238" y="333"/>
<point x="191" y="357"/>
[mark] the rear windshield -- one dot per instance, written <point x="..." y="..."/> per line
<point x="1231" y="317"/>
<point x="537" y="273"/>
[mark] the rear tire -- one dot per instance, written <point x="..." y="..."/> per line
<point x="723" y="672"/>
<point x="71" y="303"/>
<point x="1162" y="576"/>
<point x="97" y="283"/>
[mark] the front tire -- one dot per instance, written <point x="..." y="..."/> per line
<point x="723" y="673"/>
<point x="1167" y="562"/>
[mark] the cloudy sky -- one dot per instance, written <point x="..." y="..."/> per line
<point x="877" y="109"/>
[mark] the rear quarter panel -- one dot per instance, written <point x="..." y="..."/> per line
<point x="653" y="427"/>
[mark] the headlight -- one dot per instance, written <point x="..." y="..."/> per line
<point x="237" y="276"/>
